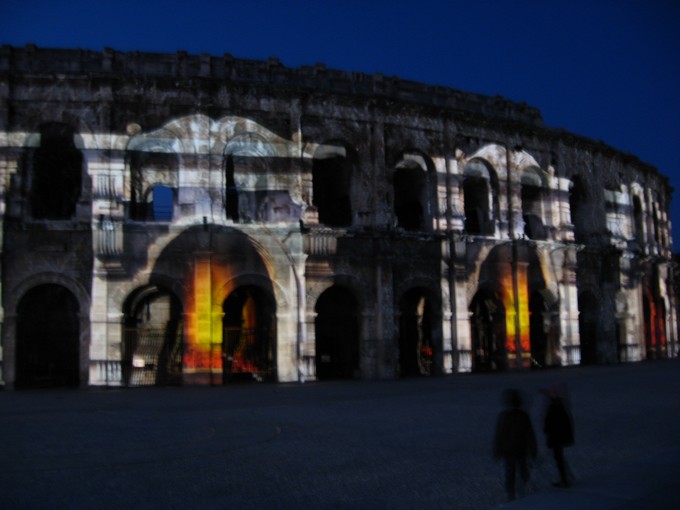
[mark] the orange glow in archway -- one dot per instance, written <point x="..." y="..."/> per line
<point x="212" y="263"/>
<point x="203" y="333"/>
<point x="510" y="268"/>
<point x="515" y="311"/>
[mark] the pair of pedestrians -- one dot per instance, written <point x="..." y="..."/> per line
<point x="515" y="441"/>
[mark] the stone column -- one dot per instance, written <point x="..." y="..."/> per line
<point x="569" y="324"/>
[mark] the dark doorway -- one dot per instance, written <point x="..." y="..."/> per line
<point x="654" y="327"/>
<point x="48" y="346"/>
<point x="416" y="345"/>
<point x="487" y="323"/>
<point x="249" y="336"/>
<point x="337" y="334"/>
<point x="537" y="333"/>
<point x="589" y="311"/>
<point x="152" y="347"/>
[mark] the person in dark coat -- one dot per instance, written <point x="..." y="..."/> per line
<point x="559" y="431"/>
<point x="514" y="441"/>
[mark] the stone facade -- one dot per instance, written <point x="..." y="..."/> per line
<point x="175" y="218"/>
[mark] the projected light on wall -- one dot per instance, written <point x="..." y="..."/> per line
<point x="229" y="311"/>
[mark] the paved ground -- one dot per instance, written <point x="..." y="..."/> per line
<point x="419" y="443"/>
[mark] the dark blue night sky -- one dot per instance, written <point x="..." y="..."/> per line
<point x="609" y="70"/>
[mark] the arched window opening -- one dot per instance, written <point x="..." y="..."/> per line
<point x="638" y="221"/>
<point x="57" y="174"/>
<point x="480" y="198"/>
<point x="232" y="204"/>
<point x="476" y="197"/>
<point x="48" y="338"/>
<point x="337" y="334"/>
<point x="249" y="336"/>
<point x="416" y="342"/>
<point x="154" y="339"/>
<point x="331" y="188"/>
<point x="410" y="193"/>
<point x="578" y="197"/>
<point x="532" y="206"/>
<point x="154" y="180"/>
<point x="655" y="221"/>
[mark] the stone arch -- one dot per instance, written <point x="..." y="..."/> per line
<point x="495" y="156"/>
<point x="47" y="338"/>
<point x="420" y="338"/>
<point x="333" y="168"/>
<point x="354" y="322"/>
<point x="414" y="191"/>
<point x="232" y="127"/>
<point x="487" y="330"/>
<point x="153" y="165"/>
<point x="337" y="326"/>
<point x="152" y="344"/>
<point x="214" y="262"/>
<point x="480" y="197"/>
<point x="512" y="274"/>
<point x="246" y="169"/>
<point x="249" y="334"/>
<point x="534" y="186"/>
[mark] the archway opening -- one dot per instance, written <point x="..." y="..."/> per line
<point x="416" y="342"/>
<point x="537" y="333"/>
<point x="331" y="188"/>
<point x="410" y="196"/>
<point x="589" y="311"/>
<point x="337" y="334"/>
<point x="48" y="334"/>
<point x="654" y="326"/>
<point x="487" y="323"/>
<point x="57" y="174"/>
<point x="480" y="198"/>
<point x="153" y="339"/>
<point x="249" y="336"/>
<point x="512" y="274"/>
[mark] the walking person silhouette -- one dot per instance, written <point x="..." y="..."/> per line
<point x="559" y="430"/>
<point x="514" y="442"/>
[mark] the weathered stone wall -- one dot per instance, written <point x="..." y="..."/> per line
<point x="217" y="218"/>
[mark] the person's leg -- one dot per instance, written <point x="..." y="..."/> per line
<point x="510" y="478"/>
<point x="523" y="467"/>
<point x="558" y="451"/>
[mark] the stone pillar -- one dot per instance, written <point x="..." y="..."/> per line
<point x="569" y="315"/>
<point x="308" y="349"/>
<point x="9" y="335"/>
<point x="106" y="335"/>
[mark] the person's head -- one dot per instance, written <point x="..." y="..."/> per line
<point x="512" y="398"/>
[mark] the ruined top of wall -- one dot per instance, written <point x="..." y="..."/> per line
<point x="32" y="59"/>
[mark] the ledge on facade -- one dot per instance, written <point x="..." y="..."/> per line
<point x="33" y="60"/>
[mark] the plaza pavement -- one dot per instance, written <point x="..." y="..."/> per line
<point x="404" y="444"/>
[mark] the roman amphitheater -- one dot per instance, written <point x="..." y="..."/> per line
<point x="197" y="219"/>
